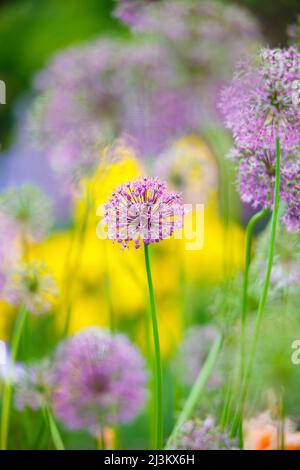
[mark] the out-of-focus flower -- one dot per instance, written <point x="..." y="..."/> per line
<point x="10" y="249"/>
<point x="263" y="433"/>
<point x="143" y="210"/>
<point x="10" y="371"/>
<point x="31" y="285"/>
<point x="256" y="182"/>
<point x="33" y="388"/>
<point x="193" y="352"/>
<point x="189" y="167"/>
<point x="197" y="435"/>
<point x="77" y="156"/>
<point x="262" y="102"/>
<point x="99" y="381"/>
<point x="29" y="209"/>
<point x="150" y="91"/>
<point x="195" y="27"/>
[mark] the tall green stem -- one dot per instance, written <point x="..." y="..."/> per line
<point x="158" y="368"/>
<point x="7" y="390"/>
<point x="264" y="294"/>
<point x="55" y="434"/>
<point x="195" y="394"/>
<point x="248" y="244"/>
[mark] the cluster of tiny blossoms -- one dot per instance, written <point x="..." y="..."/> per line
<point x="197" y="435"/>
<point x="143" y="210"/>
<point x="151" y="91"/>
<point x="32" y="286"/>
<point x="29" y="209"/>
<point x="263" y="100"/>
<point x="260" y="106"/>
<point x="33" y="387"/>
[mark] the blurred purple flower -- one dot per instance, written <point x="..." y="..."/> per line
<point x="263" y="100"/>
<point x="29" y="209"/>
<point x="100" y="380"/>
<point x="151" y="90"/>
<point x="256" y="180"/>
<point x="197" y="435"/>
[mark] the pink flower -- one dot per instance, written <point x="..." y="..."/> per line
<point x="143" y="210"/>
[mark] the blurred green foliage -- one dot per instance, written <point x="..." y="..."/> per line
<point x="31" y="30"/>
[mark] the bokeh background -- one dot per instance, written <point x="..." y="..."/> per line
<point x="191" y="286"/>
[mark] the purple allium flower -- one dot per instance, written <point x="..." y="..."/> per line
<point x="153" y="91"/>
<point x="10" y="248"/>
<point x="29" y="209"/>
<point x="197" y="435"/>
<point x="192" y="354"/>
<point x="256" y="181"/>
<point x="174" y="20"/>
<point x="143" y="211"/>
<point x="262" y="102"/>
<point x="34" y="386"/>
<point x="32" y="286"/>
<point x="100" y="380"/>
<point x="189" y="167"/>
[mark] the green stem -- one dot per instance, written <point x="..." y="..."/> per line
<point x="248" y="244"/>
<point x="195" y="394"/>
<point x="264" y="294"/>
<point x="7" y="390"/>
<point x="158" y="368"/>
<point x="55" y="434"/>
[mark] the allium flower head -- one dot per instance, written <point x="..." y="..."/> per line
<point x="197" y="435"/>
<point x="256" y="182"/>
<point x="99" y="381"/>
<point x="33" y="388"/>
<point x="29" y="209"/>
<point x="151" y="90"/>
<point x="262" y="102"/>
<point x="143" y="211"/>
<point x="32" y="286"/>
<point x="189" y="167"/>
